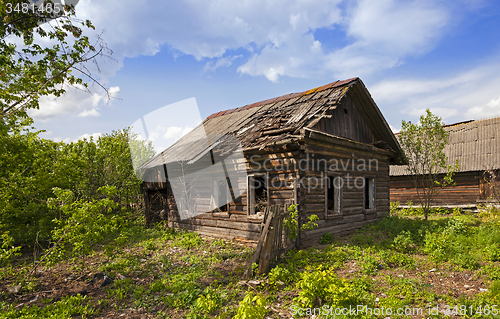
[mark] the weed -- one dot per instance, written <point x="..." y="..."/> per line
<point x="280" y="274"/>
<point x="322" y="286"/>
<point x="403" y="242"/>
<point x="188" y="240"/>
<point x="7" y="249"/>
<point x="67" y="307"/>
<point x="370" y="265"/>
<point x="208" y="302"/>
<point x="252" y="307"/>
<point x="326" y="238"/>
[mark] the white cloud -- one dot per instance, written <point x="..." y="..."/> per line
<point x="462" y="96"/>
<point x="442" y="112"/>
<point x="219" y="63"/>
<point x="175" y="132"/>
<point x="278" y="34"/>
<point x="394" y="129"/>
<point x="74" y="101"/>
<point x="87" y="136"/>
<point x="491" y="109"/>
<point x="86" y="113"/>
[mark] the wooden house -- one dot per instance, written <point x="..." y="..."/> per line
<point x="327" y="150"/>
<point x="476" y="146"/>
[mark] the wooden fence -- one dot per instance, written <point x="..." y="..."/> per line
<point x="274" y="239"/>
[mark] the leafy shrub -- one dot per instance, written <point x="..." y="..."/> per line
<point x="209" y="301"/>
<point x="326" y="238"/>
<point x="437" y="246"/>
<point x="466" y="261"/>
<point x="403" y="242"/>
<point x="369" y="264"/>
<point x="7" y="249"/>
<point x="292" y="224"/>
<point x="322" y="286"/>
<point x="455" y="226"/>
<point x="492" y="252"/>
<point x="439" y="211"/>
<point x="337" y="256"/>
<point x="396" y="259"/>
<point x="394" y="208"/>
<point x="280" y="273"/>
<point x="83" y="224"/>
<point x="251" y="307"/>
<point x="457" y="211"/>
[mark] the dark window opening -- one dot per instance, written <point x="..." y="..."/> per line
<point x="345" y="111"/>
<point x="369" y="193"/>
<point x="333" y="194"/>
<point x="220" y="196"/>
<point x="258" y="201"/>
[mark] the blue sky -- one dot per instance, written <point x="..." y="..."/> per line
<point x="411" y="55"/>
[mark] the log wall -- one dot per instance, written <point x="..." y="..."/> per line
<point x="465" y="192"/>
<point x="352" y="165"/>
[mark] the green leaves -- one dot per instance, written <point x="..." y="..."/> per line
<point x="252" y="307"/>
<point x="424" y="145"/>
<point x="29" y="71"/>
<point x="292" y="223"/>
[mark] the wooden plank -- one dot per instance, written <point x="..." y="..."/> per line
<point x="269" y="241"/>
<point x="248" y="272"/>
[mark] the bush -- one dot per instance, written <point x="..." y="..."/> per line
<point x="252" y="307"/>
<point x="466" y="261"/>
<point x="403" y="242"/>
<point x="280" y="273"/>
<point x="83" y="224"/>
<point x="322" y="286"/>
<point x="7" y="249"/>
<point x="208" y="302"/>
<point x="326" y="238"/>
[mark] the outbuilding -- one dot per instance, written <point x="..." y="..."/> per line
<point x="476" y="146"/>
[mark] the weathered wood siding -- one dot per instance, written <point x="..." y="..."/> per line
<point x="347" y="122"/>
<point x="324" y="157"/>
<point x="465" y="192"/>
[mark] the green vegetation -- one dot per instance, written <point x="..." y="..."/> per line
<point x="292" y="222"/>
<point x="423" y="144"/>
<point x="400" y="262"/>
<point x="71" y="212"/>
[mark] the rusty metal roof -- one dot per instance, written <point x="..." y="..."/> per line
<point x="476" y="145"/>
<point x="264" y="123"/>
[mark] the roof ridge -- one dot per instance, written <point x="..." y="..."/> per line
<point x="283" y="97"/>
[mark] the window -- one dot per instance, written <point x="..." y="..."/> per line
<point x="369" y="193"/>
<point x="257" y="193"/>
<point x="333" y="194"/>
<point x="220" y="196"/>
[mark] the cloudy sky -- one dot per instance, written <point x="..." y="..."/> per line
<point x="411" y="55"/>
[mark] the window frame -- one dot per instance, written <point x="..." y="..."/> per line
<point x="340" y="194"/>
<point x="370" y="179"/>
<point x="228" y="194"/>
<point x="251" y="192"/>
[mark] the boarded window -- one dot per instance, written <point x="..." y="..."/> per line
<point x="257" y="193"/>
<point x="369" y="193"/>
<point x="333" y="194"/>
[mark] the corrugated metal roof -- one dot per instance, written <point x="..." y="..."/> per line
<point x="266" y="122"/>
<point x="476" y="145"/>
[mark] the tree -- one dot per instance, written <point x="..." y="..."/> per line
<point x="423" y="145"/>
<point x="28" y="69"/>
